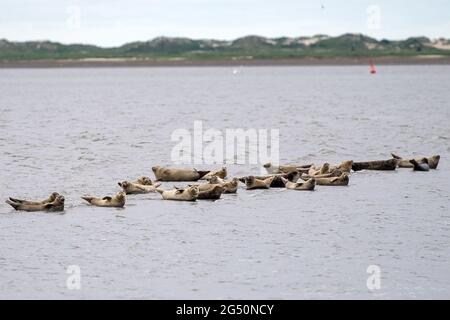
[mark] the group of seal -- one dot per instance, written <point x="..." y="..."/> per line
<point x="291" y="176"/>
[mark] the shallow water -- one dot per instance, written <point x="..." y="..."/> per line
<point x="79" y="131"/>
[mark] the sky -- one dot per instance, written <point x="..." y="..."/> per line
<point x="113" y="23"/>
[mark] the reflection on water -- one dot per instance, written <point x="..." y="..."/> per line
<point x="79" y="131"/>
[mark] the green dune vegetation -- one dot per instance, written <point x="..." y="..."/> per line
<point x="249" y="47"/>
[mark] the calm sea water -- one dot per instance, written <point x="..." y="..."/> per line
<point x="80" y="131"/>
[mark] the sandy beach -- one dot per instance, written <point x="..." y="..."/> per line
<point x="309" y="61"/>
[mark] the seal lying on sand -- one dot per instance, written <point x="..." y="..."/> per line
<point x="273" y="169"/>
<point x="390" y="164"/>
<point x="216" y="180"/>
<point x="117" y="201"/>
<point x="221" y="173"/>
<point x="345" y="166"/>
<point x="180" y="194"/>
<point x="32" y="206"/>
<point x="135" y="188"/>
<point x="177" y="174"/>
<point x="343" y="180"/>
<point x="277" y="182"/>
<point x="420" y="166"/>
<point x="308" y="185"/>
<point x="334" y="173"/>
<point x="51" y="198"/>
<point x="252" y="183"/>
<point x="292" y="176"/>
<point x="324" y="169"/>
<point x="209" y="191"/>
<point x="229" y="186"/>
<point x="433" y="161"/>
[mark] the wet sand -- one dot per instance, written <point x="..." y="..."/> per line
<point x="309" y="61"/>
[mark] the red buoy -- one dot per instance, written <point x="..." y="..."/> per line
<point x="372" y="67"/>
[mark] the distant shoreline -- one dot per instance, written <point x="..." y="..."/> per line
<point x="307" y="61"/>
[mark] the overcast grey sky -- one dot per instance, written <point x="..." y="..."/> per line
<point x="110" y="23"/>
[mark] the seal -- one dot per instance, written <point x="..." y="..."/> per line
<point x="292" y="176"/>
<point x="221" y="173"/>
<point x="135" y="188"/>
<point x="343" y="180"/>
<point x="433" y="161"/>
<point x="211" y="192"/>
<point x="54" y="206"/>
<point x="420" y="166"/>
<point x="334" y="173"/>
<point x="118" y="201"/>
<point x="180" y="194"/>
<point x="252" y="183"/>
<point x="216" y="180"/>
<point x="273" y="169"/>
<point x="146" y="181"/>
<point x="278" y="182"/>
<point x="229" y="186"/>
<point x="390" y="164"/>
<point x="177" y="174"/>
<point x="345" y="166"/>
<point x="51" y="198"/>
<point x="308" y="185"/>
<point x="324" y="169"/>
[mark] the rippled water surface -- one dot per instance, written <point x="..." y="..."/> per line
<point x="79" y="131"/>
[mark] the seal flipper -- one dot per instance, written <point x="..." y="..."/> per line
<point x="107" y="198"/>
<point x="396" y="156"/>
<point x="277" y="182"/>
<point x="420" y="166"/>
<point x="87" y="198"/>
<point x="269" y="181"/>
<point x="202" y="173"/>
<point x="13" y="204"/>
<point x="15" y="200"/>
<point x="414" y="163"/>
<point x="156" y="184"/>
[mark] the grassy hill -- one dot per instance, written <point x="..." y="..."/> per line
<point x="249" y="47"/>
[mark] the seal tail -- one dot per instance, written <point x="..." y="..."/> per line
<point x="13" y="204"/>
